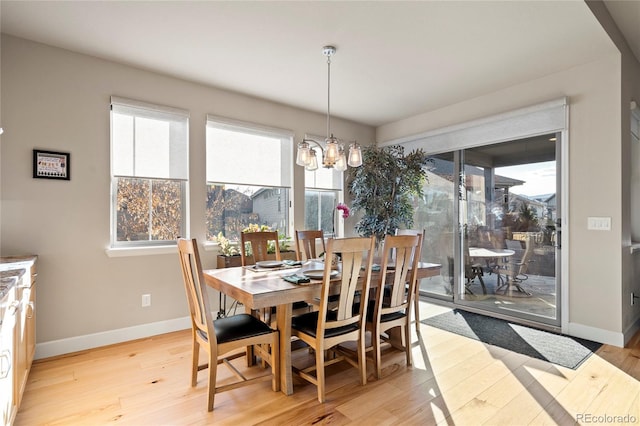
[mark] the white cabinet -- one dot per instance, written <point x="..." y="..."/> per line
<point x="17" y="338"/>
<point x="8" y="313"/>
<point x="24" y="333"/>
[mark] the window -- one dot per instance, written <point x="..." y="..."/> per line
<point x="248" y="178"/>
<point x="149" y="173"/>
<point x="323" y="192"/>
<point x="320" y="210"/>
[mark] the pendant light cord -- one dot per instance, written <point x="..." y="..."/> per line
<point x="329" y="96"/>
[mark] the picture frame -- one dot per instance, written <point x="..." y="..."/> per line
<point x="51" y="165"/>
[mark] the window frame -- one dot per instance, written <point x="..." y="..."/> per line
<point x="337" y="187"/>
<point x="147" y="110"/>
<point x="286" y="139"/>
<point x="338" y="228"/>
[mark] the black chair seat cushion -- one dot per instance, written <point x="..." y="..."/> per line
<point x="308" y="323"/>
<point x="299" y="305"/>
<point x="390" y="317"/>
<point x="238" y="327"/>
<point x="385" y="317"/>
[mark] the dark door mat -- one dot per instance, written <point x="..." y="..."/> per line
<point x="558" y="349"/>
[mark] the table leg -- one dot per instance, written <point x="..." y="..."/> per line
<point x="396" y="337"/>
<point x="283" y="319"/>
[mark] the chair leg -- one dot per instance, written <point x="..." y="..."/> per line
<point x="407" y="342"/>
<point x="195" y="359"/>
<point x="416" y="309"/>
<point x="484" y="289"/>
<point x="375" y="343"/>
<point x="320" y="374"/>
<point x="362" y="358"/>
<point x="211" y="387"/>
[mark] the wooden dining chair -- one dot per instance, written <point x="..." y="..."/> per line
<point x="328" y="327"/>
<point x="416" y="296"/>
<point x="258" y="244"/>
<point x="224" y="335"/>
<point x="307" y="243"/>
<point x="392" y="304"/>
<point x="514" y="268"/>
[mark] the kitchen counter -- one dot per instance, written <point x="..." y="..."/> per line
<point x="16" y="262"/>
<point x="7" y="282"/>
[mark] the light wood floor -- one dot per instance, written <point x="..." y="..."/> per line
<point x="454" y="381"/>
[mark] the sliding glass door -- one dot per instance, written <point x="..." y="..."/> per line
<point x="491" y="214"/>
<point x="508" y="216"/>
<point x="435" y="213"/>
<point x="492" y="209"/>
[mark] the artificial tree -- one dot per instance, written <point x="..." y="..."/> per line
<point x="383" y="187"/>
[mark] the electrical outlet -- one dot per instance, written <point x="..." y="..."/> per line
<point x="146" y="300"/>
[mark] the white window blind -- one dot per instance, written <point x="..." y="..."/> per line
<point x="149" y="141"/>
<point x="248" y="154"/>
<point x="535" y="120"/>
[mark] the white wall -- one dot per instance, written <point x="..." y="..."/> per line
<point x="595" y="181"/>
<point x="630" y="173"/>
<point x="59" y="100"/>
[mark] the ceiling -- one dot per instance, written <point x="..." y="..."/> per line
<point x="394" y="59"/>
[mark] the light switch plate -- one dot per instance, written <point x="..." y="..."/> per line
<point x="599" y="223"/>
<point x="146" y="300"/>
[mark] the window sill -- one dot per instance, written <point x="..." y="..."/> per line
<point x="140" y="251"/>
<point x="211" y="246"/>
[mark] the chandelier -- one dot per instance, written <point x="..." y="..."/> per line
<point x="333" y="153"/>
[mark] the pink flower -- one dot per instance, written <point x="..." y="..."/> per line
<point x="345" y="210"/>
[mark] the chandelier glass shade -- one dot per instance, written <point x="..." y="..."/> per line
<point x="333" y="152"/>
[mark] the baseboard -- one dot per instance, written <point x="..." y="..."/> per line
<point x="95" y="340"/>
<point x="596" y="334"/>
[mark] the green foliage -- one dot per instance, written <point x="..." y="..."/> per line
<point x="225" y="246"/>
<point x="528" y="220"/>
<point x="254" y="227"/>
<point x="524" y="219"/>
<point x="383" y="187"/>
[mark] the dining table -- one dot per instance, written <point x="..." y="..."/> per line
<point x="258" y="288"/>
<point x="490" y="252"/>
<point x="494" y="258"/>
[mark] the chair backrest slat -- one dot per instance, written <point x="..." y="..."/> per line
<point x="354" y="253"/>
<point x="197" y="296"/>
<point x="259" y="242"/>
<point x="306" y="243"/>
<point x="420" y="232"/>
<point x="402" y="270"/>
<point x="398" y="297"/>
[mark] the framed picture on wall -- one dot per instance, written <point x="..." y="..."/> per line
<point x="51" y="165"/>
